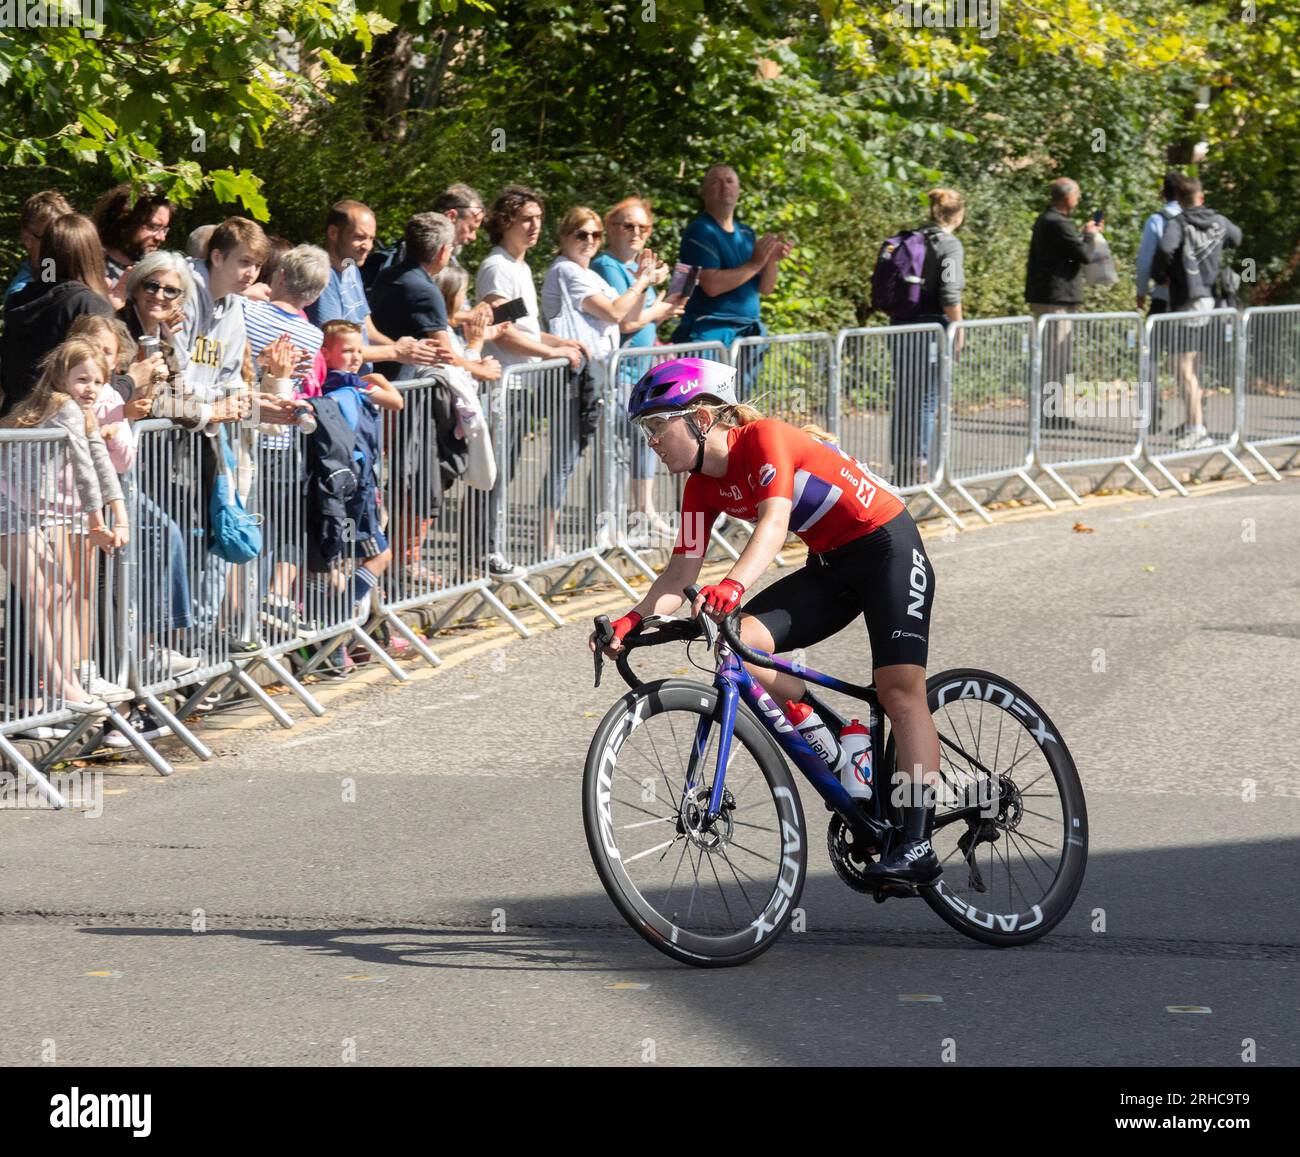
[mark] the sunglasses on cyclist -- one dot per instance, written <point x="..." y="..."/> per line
<point x="154" y="288"/>
<point x="654" y="425"/>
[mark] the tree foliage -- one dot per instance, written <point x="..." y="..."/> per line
<point x="837" y="115"/>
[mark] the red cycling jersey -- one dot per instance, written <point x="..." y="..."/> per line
<point x="836" y="498"/>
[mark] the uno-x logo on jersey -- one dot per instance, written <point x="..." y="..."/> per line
<point x="766" y="473"/>
<point x="733" y="492"/>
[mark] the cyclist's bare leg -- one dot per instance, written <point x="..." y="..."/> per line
<point x="901" y="688"/>
<point x="777" y="684"/>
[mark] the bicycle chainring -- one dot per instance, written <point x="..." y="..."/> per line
<point x="847" y="861"/>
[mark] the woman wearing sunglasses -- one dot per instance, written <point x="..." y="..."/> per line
<point x="579" y="304"/>
<point x="864" y="558"/>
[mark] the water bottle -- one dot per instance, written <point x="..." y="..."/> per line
<point x="817" y="735"/>
<point x="855" y="775"/>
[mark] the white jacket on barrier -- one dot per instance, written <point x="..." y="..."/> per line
<point x="481" y="471"/>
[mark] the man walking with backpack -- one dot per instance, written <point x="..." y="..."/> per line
<point x="1189" y="260"/>
<point x="918" y="279"/>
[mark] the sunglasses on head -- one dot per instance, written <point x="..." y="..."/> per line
<point x="154" y="288"/>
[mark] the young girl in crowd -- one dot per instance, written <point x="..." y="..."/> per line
<point x="51" y="517"/>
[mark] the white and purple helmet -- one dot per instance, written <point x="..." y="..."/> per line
<point x="681" y="383"/>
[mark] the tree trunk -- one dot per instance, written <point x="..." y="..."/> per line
<point x="392" y="91"/>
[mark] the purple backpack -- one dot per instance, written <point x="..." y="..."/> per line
<point x="899" y="276"/>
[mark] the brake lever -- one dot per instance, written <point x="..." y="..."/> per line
<point x="692" y="592"/>
<point x="604" y="636"/>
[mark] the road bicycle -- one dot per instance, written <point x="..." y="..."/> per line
<point x="697" y="830"/>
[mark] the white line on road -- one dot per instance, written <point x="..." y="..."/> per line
<point x="440" y="706"/>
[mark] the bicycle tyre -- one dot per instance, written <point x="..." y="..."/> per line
<point x="672" y="934"/>
<point x="956" y="904"/>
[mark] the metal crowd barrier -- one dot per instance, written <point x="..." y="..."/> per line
<point x="551" y="473"/>
<point x="989" y="396"/>
<point x="790" y="376"/>
<point x="642" y="500"/>
<point x="64" y="638"/>
<point x="1192" y="372"/>
<point x="1269" y="403"/>
<point x="1091" y="395"/>
<point x="438" y="527"/>
<point x="888" y="383"/>
<point x="931" y="409"/>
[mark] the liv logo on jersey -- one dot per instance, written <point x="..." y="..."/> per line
<point x="766" y="473"/>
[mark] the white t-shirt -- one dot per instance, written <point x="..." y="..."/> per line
<point x="501" y="275"/>
<point x="566" y="286"/>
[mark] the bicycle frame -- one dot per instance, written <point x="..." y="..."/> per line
<point x="732" y="679"/>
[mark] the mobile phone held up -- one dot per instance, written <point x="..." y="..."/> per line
<point x="1098" y="217"/>
<point x="509" y="311"/>
<point x="683" y="280"/>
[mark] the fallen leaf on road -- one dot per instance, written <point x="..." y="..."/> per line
<point x="1081" y="529"/>
<point x="1148" y="569"/>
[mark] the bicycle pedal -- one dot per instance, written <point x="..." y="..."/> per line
<point x="894" y="892"/>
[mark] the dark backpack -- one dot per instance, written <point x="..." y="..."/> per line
<point x="330" y="479"/>
<point x="381" y="257"/>
<point x="899" y="279"/>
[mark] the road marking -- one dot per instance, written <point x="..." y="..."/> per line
<point x="1197" y="1008"/>
<point x="105" y="972"/>
<point x="450" y="702"/>
<point x="919" y="998"/>
<point x="627" y="986"/>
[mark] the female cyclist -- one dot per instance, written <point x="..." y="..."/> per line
<point x="865" y="557"/>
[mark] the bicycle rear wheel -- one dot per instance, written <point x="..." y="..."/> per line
<point x="707" y="894"/>
<point x="1011" y="873"/>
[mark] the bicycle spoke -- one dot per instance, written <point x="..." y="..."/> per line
<point x="756" y="827"/>
<point x="1011" y="879"/>
<point x="647" y="852"/>
<point x="1021" y="835"/>
<point x="645" y="823"/>
<point x="1030" y="811"/>
<point x="727" y="861"/>
<point x="722" y="892"/>
<point x="673" y="882"/>
<point x="737" y="844"/>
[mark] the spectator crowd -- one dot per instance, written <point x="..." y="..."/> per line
<point x="244" y="335"/>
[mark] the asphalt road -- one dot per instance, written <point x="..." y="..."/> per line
<point x="348" y="874"/>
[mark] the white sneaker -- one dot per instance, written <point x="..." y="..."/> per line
<point x="501" y="569"/>
<point x="99" y="687"/>
<point x="173" y="662"/>
<point x="45" y="733"/>
<point x="1196" y="438"/>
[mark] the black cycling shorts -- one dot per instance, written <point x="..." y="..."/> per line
<point x="885" y="576"/>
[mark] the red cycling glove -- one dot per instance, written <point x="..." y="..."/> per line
<point x="724" y="598"/>
<point x="626" y="625"/>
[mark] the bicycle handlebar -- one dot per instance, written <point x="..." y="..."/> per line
<point x="731" y="633"/>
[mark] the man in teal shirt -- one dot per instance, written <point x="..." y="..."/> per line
<point x="735" y="269"/>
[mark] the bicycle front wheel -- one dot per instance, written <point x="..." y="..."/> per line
<point x="710" y="893"/>
<point x="1012" y="871"/>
